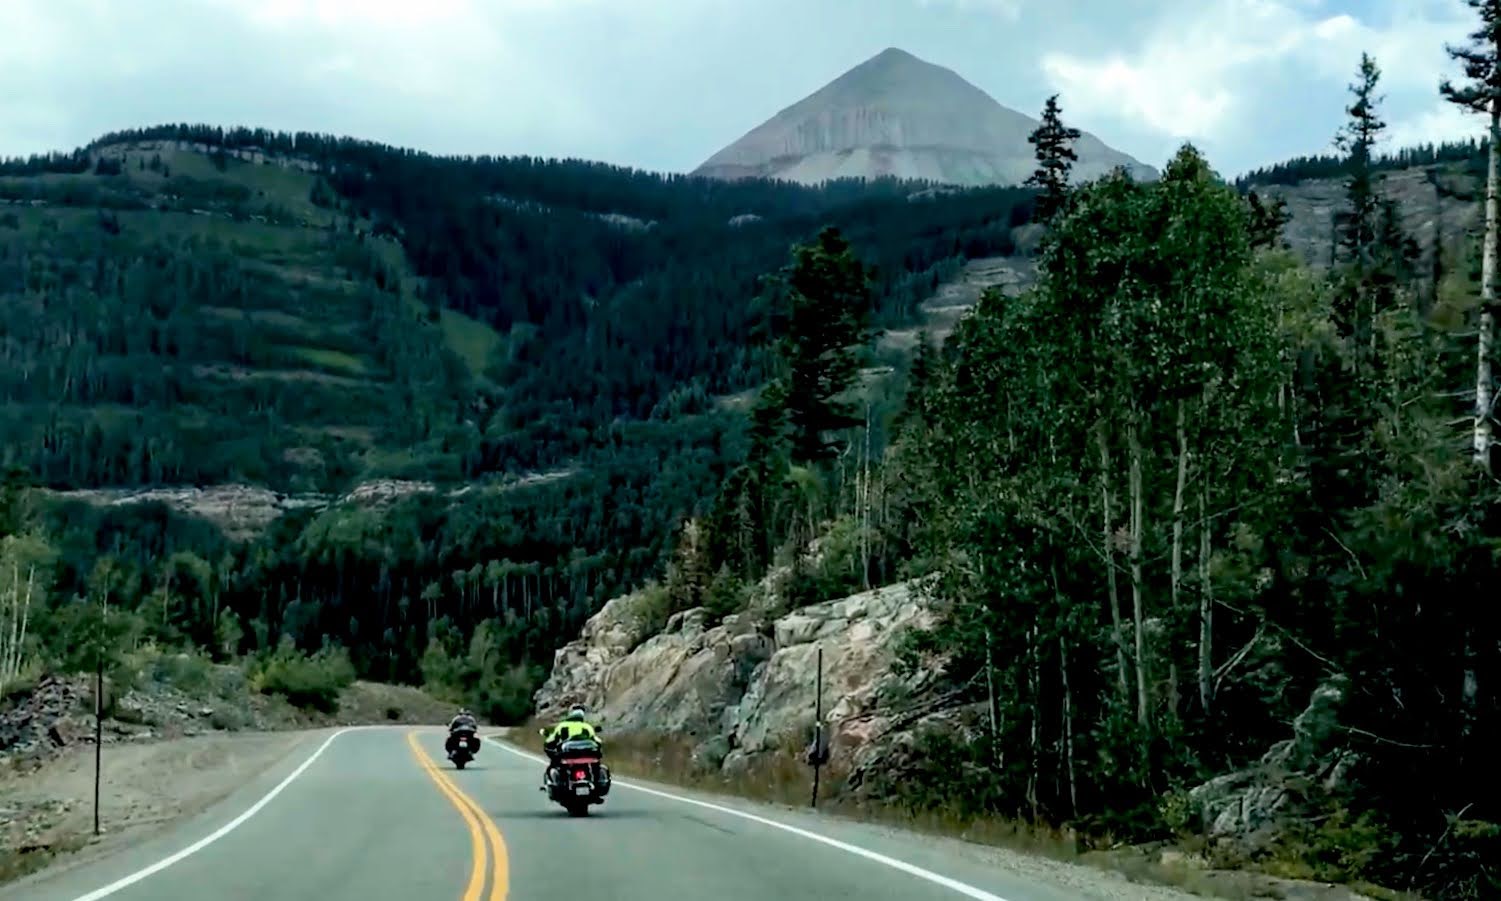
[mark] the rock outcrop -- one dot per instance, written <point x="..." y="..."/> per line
<point x="1438" y="206"/>
<point x="1247" y="808"/>
<point x="744" y="687"/>
<point x="896" y="115"/>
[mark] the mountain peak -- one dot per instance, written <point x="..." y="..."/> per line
<point x="897" y="115"/>
<point x="893" y="55"/>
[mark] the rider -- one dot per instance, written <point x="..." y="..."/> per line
<point x="575" y="725"/>
<point x="464" y="721"/>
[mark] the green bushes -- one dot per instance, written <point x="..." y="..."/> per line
<point x="505" y="698"/>
<point x="650" y="609"/>
<point x="834" y="570"/>
<point x="308" y="681"/>
<point x="499" y="691"/>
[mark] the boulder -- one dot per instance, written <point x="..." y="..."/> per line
<point x="1248" y="806"/>
<point x="580" y="667"/>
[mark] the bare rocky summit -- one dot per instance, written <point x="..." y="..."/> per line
<point x="896" y="115"/>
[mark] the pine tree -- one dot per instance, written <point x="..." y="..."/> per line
<point x="1357" y="140"/>
<point x="1267" y="221"/>
<point x="1053" y="144"/>
<point x="1482" y="94"/>
<point x="829" y="294"/>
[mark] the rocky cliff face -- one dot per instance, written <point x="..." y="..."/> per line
<point x="1439" y="205"/>
<point x="745" y="687"/>
<point x="896" y="115"/>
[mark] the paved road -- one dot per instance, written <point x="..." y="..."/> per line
<point x="379" y="815"/>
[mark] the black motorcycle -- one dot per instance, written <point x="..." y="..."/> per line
<point x="462" y="746"/>
<point x="577" y="778"/>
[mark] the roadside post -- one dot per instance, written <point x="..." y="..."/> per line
<point x="818" y="751"/>
<point x="99" y="706"/>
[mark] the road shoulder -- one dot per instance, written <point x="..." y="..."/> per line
<point x="146" y="789"/>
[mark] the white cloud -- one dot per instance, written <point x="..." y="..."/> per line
<point x="1010" y="9"/>
<point x="1439" y="123"/>
<point x="1207" y="65"/>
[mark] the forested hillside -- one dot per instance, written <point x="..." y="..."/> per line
<point x="1211" y="537"/>
<point x="187" y="305"/>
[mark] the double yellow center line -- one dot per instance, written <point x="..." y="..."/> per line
<point x="481" y="830"/>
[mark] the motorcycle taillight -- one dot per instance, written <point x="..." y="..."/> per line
<point x="581" y="774"/>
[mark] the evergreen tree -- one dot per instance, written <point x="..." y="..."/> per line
<point x="828" y="297"/>
<point x="1267" y="221"/>
<point x="1053" y="145"/>
<point x="1357" y="140"/>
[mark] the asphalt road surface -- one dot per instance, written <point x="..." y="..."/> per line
<point x="380" y="815"/>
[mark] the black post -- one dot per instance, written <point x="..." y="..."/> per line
<point x="817" y="726"/>
<point x="98" y="719"/>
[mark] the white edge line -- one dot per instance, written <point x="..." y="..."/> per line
<point x="936" y="878"/>
<point x="194" y="848"/>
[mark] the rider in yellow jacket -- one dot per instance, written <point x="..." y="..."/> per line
<point x="574" y="725"/>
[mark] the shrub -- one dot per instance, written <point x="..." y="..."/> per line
<point x="227" y="719"/>
<point x="830" y="574"/>
<point x="505" y="698"/>
<point x="726" y="594"/>
<point x="649" y="612"/>
<point x="311" y="682"/>
<point x="191" y="673"/>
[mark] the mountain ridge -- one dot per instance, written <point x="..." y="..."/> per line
<point x="895" y="115"/>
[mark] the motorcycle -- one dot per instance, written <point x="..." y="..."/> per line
<point x="462" y="746"/>
<point x="577" y="778"/>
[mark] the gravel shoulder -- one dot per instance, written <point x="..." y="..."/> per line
<point x="47" y="814"/>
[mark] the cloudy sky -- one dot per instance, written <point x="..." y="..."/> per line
<point x="662" y="84"/>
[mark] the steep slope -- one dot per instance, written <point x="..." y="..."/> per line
<point x="1438" y="206"/>
<point x="896" y="115"/>
<point x="173" y="316"/>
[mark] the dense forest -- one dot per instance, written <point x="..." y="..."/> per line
<point x="555" y="349"/>
<point x="1334" y="165"/>
<point x="1185" y="503"/>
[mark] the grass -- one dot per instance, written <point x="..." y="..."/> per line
<point x="25" y="861"/>
<point x="269" y="317"/>
<point x="289" y="187"/>
<point x="336" y="361"/>
<point x="473" y="341"/>
<point x="251" y="238"/>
